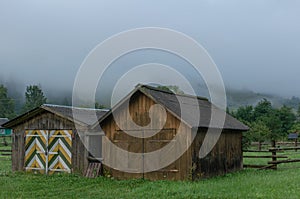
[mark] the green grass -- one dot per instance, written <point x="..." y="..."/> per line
<point x="8" y="140"/>
<point x="249" y="183"/>
<point x="244" y="184"/>
<point x="5" y="161"/>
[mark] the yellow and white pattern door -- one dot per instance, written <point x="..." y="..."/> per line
<point x="36" y="150"/>
<point x="60" y="155"/>
<point x="48" y="151"/>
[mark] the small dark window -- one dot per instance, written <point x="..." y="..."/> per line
<point x="95" y="146"/>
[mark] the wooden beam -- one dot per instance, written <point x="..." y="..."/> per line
<point x="275" y="150"/>
<point x="283" y="161"/>
<point x="5" y="154"/>
<point x="265" y="156"/>
<point x="271" y="166"/>
<point x="256" y="151"/>
<point x="254" y="166"/>
<point x="284" y="148"/>
<point x="5" y="151"/>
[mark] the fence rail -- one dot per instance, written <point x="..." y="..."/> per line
<point x="5" y="148"/>
<point x="265" y="156"/>
<point x="5" y="153"/>
<point x="284" y="148"/>
<point x="274" y="157"/>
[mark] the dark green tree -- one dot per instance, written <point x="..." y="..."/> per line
<point x="245" y="114"/>
<point x="287" y="118"/>
<point x="7" y="105"/>
<point x="295" y="128"/>
<point x="265" y="113"/>
<point x="259" y="132"/>
<point x="276" y="122"/>
<point x="298" y="113"/>
<point x="273" y="122"/>
<point x="34" y="97"/>
<point x="262" y="109"/>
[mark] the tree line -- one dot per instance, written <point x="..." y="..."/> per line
<point x="34" y="97"/>
<point x="267" y="124"/>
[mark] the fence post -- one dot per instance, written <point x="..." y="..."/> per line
<point x="274" y="158"/>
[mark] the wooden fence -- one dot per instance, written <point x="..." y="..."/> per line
<point x="5" y="148"/>
<point x="274" y="157"/>
<point x="5" y="152"/>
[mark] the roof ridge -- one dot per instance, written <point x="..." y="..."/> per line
<point x="170" y="92"/>
<point x="72" y="107"/>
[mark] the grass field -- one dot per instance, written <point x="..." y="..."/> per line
<point x="249" y="183"/>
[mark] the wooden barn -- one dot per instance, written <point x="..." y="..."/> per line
<point x="226" y="156"/>
<point x="45" y="139"/>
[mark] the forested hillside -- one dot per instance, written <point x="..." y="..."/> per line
<point x="16" y="98"/>
<point x="237" y="98"/>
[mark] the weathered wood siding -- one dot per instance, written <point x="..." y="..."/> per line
<point x="225" y="157"/>
<point x="139" y="112"/>
<point x="48" y="121"/>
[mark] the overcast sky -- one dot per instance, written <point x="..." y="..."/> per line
<point x="255" y="43"/>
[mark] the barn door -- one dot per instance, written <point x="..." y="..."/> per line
<point x="155" y="143"/>
<point x="48" y="151"/>
<point x="36" y="150"/>
<point x="147" y="145"/>
<point x="59" y="151"/>
<point x="130" y="144"/>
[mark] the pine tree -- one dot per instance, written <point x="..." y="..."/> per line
<point x="7" y="105"/>
<point x="34" y="97"/>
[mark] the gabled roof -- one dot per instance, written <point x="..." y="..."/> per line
<point x="86" y="115"/>
<point x="2" y="121"/>
<point x="170" y="101"/>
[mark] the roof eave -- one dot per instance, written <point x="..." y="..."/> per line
<point x="22" y="117"/>
<point x="63" y="116"/>
<point x="35" y="112"/>
<point x="138" y="88"/>
<point x="173" y="113"/>
<point x="115" y="107"/>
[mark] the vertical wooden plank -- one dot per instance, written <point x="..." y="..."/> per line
<point x="14" y="151"/>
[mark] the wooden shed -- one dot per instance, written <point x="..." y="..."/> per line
<point x="226" y="156"/>
<point x="45" y="139"/>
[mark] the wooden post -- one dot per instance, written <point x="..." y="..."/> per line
<point x="259" y="145"/>
<point x="4" y="141"/>
<point x="296" y="143"/>
<point x="274" y="158"/>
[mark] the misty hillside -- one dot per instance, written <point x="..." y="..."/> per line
<point x="235" y="97"/>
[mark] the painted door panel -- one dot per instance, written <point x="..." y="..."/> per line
<point x="48" y="151"/>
